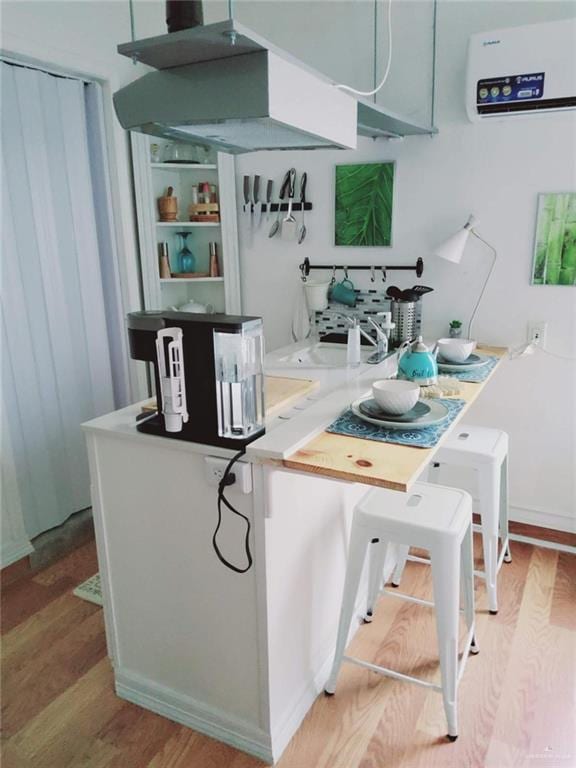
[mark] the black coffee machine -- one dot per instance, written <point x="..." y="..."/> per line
<point x="209" y="375"/>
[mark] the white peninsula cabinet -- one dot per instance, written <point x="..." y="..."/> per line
<point x="239" y="657"/>
<point x="151" y="181"/>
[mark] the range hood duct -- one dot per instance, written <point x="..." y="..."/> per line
<point x="226" y="86"/>
<point x="183" y="14"/>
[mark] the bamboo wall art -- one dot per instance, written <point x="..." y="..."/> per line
<point x="555" y="242"/>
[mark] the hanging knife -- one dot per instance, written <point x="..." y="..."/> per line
<point x="247" y="208"/>
<point x="257" y="203"/>
<point x="269" y="188"/>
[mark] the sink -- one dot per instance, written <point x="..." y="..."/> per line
<point x="320" y="356"/>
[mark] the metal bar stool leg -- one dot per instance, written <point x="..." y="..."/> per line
<point x="489" y="492"/>
<point x="504" y="510"/>
<point x="445" y="576"/>
<point x="377" y="554"/>
<point x="467" y="586"/>
<point x="356" y="555"/>
<point x="400" y="564"/>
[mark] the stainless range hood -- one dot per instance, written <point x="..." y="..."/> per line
<point x="226" y="86"/>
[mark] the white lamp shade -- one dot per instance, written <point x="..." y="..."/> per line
<point x="453" y="248"/>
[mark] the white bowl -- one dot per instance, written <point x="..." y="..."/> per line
<point x="395" y="396"/>
<point x="455" y="350"/>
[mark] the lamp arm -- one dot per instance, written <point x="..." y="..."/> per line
<point x="476" y="235"/>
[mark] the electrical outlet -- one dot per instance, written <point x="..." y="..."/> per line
<point x="214" y="469"/>
<point x="537" y="334"/>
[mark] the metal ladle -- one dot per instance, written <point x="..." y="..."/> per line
<point x="302" y="227"/>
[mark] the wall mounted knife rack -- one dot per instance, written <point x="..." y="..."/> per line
<point x="283" y="207"/>
<point x="305" y="268"/>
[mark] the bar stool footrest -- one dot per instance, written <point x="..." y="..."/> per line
<point x="386" y="672"/>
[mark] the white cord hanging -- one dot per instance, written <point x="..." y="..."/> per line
<point x="388" y="64"/>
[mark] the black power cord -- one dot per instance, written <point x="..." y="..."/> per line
<point x="228" y="478"/>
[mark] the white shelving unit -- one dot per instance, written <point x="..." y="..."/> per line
<point x="150" y="182"/>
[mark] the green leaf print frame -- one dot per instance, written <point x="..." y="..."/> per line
<point x="364" y="196"/>
<point x="555" y="241"/>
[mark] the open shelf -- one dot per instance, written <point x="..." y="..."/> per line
<point x="180" y="280"/>
<point x="187" y="224"/>
<point x="186" y="166"/>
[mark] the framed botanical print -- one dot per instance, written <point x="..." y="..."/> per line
<point x="364" y="197"/>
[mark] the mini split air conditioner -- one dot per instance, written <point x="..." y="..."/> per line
<point x="522" y="71"/>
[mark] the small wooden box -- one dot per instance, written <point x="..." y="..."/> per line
<point x="204" y="212"/>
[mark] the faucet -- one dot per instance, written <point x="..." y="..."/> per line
<point x="381" y="342"/>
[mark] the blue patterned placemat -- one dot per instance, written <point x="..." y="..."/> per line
<point x="476" y="374"/>
<point x="352" y="426"/>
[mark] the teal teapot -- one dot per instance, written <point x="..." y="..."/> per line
<point x="418" y="363"/>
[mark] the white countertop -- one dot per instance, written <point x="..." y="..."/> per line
<point x="338" y="388"/>
<point x="285" y="432"/>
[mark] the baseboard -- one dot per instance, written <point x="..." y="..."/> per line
<point x="12" y="552"/>
<point x="193" y="714"/>
<point x="542" y="519"/>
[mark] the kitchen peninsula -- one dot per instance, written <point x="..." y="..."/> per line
<point x="240" y="657"/>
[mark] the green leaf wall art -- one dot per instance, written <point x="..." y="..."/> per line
<point x="364" y="195"/>
<point x="555" y="245"/>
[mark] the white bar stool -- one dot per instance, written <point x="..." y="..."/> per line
<point x="486" y="451"/>
<point x="440" y="520"/>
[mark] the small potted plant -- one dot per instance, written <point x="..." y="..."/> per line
<point x="455" y="329"/>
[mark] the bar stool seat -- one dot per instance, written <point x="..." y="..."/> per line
<point x="440" y="520"/>
<point x="485" y="450"/>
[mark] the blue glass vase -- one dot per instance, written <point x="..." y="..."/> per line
<point x="186" y="259"/>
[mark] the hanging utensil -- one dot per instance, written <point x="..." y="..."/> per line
<point x="269" y="188"/>
<point x="394" y="292"/>
<point x="283" y="189"/>
<point x="247" y="207"/>
<point x="302" y="227"/>
<point x="421" y="289"/>
<point x="257" y="203"/>
<point x="289" y="223"/>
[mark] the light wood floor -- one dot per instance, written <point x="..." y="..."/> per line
<point x="516" y="697"/>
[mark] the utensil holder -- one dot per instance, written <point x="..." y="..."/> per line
<point x="316" y="295"/>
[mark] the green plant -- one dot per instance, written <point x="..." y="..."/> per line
<point x="455" y="324"/>
<point x="364" y="204"/>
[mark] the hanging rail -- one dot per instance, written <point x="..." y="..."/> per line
<point x="305" y="268"/>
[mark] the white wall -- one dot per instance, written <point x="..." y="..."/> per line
<point x="495" y="170"/>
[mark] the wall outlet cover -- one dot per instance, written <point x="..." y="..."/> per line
<point x="215" y="467"/>
<point x="537" y="334"/>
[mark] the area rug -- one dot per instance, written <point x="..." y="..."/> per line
<point x="90" y="590"/>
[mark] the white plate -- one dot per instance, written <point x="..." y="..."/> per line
<point x="460" y="367"/>
<point x="437" y="413"/>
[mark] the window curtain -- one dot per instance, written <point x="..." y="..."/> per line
<point x="56" y="358"/>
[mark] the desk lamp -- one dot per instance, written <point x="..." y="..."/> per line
<point x="453" y="250"/>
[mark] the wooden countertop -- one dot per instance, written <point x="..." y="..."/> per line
<point x="281" y="392"/>
<point x="366" y="461"/>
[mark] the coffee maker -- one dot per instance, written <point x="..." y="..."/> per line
<point x="208" y="371"/>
